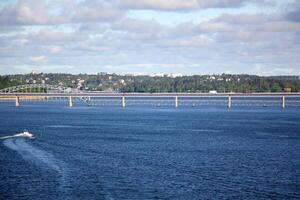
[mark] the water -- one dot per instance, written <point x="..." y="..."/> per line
<point x="149" y="153"/>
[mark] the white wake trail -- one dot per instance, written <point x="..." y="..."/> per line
<point x="39" y="157"/>
<point x="28" y="152"/>
<point x="11" y="136"/>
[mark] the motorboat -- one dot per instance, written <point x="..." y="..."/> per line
<point x="25" y="134"/>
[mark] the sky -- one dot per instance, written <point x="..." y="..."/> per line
<point x="259" y="37"/>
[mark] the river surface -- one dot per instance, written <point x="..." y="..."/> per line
<point x="149" y="153"/>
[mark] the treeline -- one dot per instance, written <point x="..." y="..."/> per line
<point x="129" y="83"/>
<point x="5" y="82"/>
<point x="225" y="83"/>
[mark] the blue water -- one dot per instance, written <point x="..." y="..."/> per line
<point x="149" y="153"/>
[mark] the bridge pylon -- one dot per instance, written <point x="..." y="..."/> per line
<point x="17" y="101"/>
<point x="70" y="102"/>
<point x="176" y="102"/>
<point x="123" y="102"/>
<point x="283" y="102"/>
<point x="229" y="102"/>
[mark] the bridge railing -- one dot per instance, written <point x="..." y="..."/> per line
<point x="57" y="93"/>
<point x="174" y="100"/>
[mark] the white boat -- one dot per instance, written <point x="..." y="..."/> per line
<point x="25" y="134"/>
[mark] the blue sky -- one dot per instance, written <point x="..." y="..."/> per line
<point x="150" y="36"/>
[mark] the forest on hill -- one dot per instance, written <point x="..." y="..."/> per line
<point x="165" y="83"/>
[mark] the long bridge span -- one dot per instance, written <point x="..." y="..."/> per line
<point x="44" y="92"/>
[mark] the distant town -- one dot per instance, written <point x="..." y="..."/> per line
<point x="110" y="82"/>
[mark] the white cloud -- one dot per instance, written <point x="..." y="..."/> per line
<point x="180" y="5"/>
<point x="55" y="49"/>
<point x="31" y="12"/>
<point x="24" y="12"/>
<point x="39" y="59"/>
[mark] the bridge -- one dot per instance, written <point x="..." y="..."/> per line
<point x="53" y="93"/>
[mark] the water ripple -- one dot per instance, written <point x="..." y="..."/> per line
<point x="40" y="158"/>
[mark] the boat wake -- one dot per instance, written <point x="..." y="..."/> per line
<point x="24" y="134"/>
<point x="39" y="157"/>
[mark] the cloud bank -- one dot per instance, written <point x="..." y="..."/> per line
<point x="90" y="36"/>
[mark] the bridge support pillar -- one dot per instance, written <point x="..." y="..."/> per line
<point x="70" y="102"/>
<point x="17" y="101"/>
<point x="123" y="102"/>
<point x="283" y="102"/>
<point x="229" y="102"/>
<point x="176" y="102"/>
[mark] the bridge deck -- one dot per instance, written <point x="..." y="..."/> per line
<point x="90" y="94"/>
